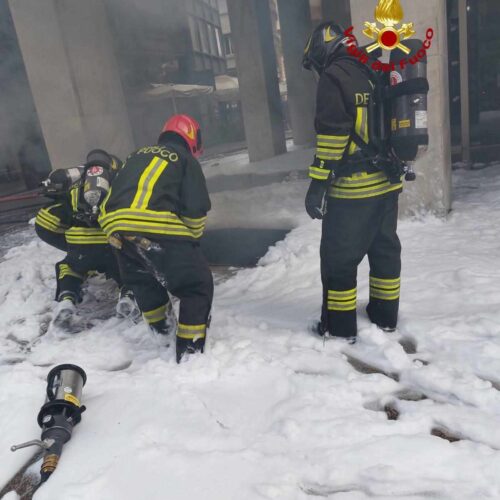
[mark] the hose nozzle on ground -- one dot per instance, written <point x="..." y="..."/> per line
<point x="60" y="413"/>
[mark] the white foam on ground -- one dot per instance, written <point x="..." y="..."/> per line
<point x="270" y="411"/>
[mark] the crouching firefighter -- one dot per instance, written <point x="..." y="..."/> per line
<point x="155" y="216"/>
<point x="356" y="179"/>
<point x="70" y="224"/>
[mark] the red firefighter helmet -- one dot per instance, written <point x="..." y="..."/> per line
<point x="189" y="129"/>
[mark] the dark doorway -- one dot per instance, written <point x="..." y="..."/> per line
<point x="483" y="48"/>
<point x="24" y="161"/>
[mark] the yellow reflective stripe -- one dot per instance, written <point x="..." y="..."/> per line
<point x="87" y="241"/>
<point x="342" y="300"/>
<point x="385" y="289"/>
<point x="194" y="225"/>
<point x="360" y="127"/>
<point x="384" y="295"/>
<point x="338" y="140"/>
<point x="193" y="328"/>
<point x="368" y="193"/>
<point x="353" y="148"/>
<point x="51" y="217"/>
<point x="319" y="173"/>
<point x="343" y="295"/>
<point x="143" y="214"/>
<point x="139" y="195"/>
<point x="64" y="274"/>
<point x="147" y="182"/>
<point x="328" y="145"/>
<point x="103" y="204"/>
<point x="316" y="177"/>
<point x="331" y="147"/>
<point x="328" y="154"/>
<point x="361" y="179"/>
<point x="56" y="227"/>
<point x="65" y="270"/>
<point x="330" y="151"/>
<point x="385" y="283"/>
<point x="74" y="198"/>
<point x="159" y="170"/>
<point x="85" y="236"/>
<point x="84" y="231"/>
<point x="200" y="227"/>
<point x="148" y="221"/>
<point x="155" y="315"/>
<point x="50" y="226"/>
<point x="191" y="332"/>
<point x="363" y="131"/>
<point x="152" y="228"/>
<point x="341" y="306"/>
<point x="190" y="220"/>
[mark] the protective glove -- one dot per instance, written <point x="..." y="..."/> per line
<point x="316" y="199"/>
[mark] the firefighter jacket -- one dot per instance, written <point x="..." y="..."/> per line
<point x="342" y="109"/>
<point x="67" y="221"/>
<point x="52" y="222"/>
<point x="160" y="193"/>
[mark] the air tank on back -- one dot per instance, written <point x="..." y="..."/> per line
<point x="409" y="89"/>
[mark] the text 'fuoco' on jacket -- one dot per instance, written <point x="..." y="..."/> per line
<point x="159" y="193"/>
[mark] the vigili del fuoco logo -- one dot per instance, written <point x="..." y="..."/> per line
<point x="389" y="33"/>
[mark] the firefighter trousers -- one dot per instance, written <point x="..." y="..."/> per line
<point x="353" y="229"/>
<point x="178" y="267"/>
<point x="72" y="271"/>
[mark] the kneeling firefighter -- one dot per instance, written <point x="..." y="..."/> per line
<point x="355" y="186"/>
<point x="155" y="216"/>
<point x="70" y="224"/>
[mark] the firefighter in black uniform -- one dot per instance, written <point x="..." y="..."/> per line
<point x="155" y="215"/>
<point x="70" y="224"/>
<point x="357" y="200"/>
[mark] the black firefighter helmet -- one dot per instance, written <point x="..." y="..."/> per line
<point x="104" y="159"/>
<point x="326" y="41"/>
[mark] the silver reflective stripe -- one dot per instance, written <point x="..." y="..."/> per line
<point x="146" y="182"/>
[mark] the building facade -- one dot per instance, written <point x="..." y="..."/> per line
<point x="90" y="74"/>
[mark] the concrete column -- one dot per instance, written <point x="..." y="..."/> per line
<point x="252" y="34"/>
<point x="432" y="189"/>
<point x="296" y="27"/>
<point x="464" y="79"/>
<point x="338" y="11"/>
<point x="73" y="75"/>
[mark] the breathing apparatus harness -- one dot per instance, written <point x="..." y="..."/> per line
<point x="398" y="133"/>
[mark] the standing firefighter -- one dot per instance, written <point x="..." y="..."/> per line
<point x="155" y="215"/>
<point x="70" y="224"/>
<point x="361" y="207"/>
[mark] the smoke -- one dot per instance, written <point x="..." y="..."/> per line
<point x="154" y="41"/>
<point x="389" y="12"/>
<point x="171" y="41"/>
<point x="150" y="38"/>
<point x="22" y="152"/>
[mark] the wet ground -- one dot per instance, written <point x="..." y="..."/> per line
<point x="13" y="235"/>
